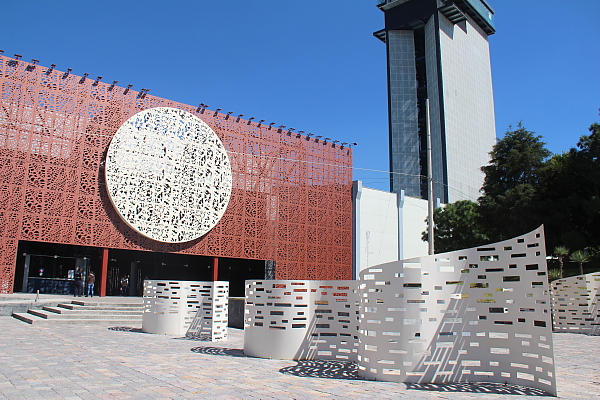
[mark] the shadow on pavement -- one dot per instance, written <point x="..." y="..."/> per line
<point x="196" y="338"/>
<point x="324" y="369"/>
<point x="125" y="329"/>
<point x="349" y="371"/>
<point x="219" y="351"/>
<point x="483" y="387"/>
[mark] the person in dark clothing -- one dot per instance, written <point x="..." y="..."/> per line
<point x="78" y="283"/>
<point x="125" y="285"/>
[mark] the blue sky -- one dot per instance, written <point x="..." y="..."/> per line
<point x="311" y="65"/>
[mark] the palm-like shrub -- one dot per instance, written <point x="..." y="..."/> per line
<point x="561" y="252"/>
<point x="580" y="258"/>
<point x="554" y="274"/>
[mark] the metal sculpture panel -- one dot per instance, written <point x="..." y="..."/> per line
<point x="182" y="307"/>
<point x="212" y="318"/>
<point x="474" y="315"/>
<point x="478" y="315"/>
<point x="290" y="197"/>
<point x="576" y="304"/>
<point x="301" y="320"/>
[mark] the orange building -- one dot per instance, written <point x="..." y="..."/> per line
<point x="288" y="215"/>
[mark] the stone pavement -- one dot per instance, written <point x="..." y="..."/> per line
<point x="107" y="362"/>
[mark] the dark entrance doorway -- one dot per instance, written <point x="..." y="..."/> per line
<point x="48" y="267"/>
<point x="140" y="265"/>
<point x="236" y="271"/>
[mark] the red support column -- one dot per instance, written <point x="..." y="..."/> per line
<point x="104" y="273"/>
<point x="215" y="269"/>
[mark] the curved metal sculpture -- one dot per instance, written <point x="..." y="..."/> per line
<point x="476" y="315"/>
<point x="186" y="307"/>
<point x="576" y="304"/>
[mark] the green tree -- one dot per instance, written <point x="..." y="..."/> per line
<point x="561" y="252"/>
<point x="569" y="194"/>
<point x="456" y="226"/>
<point x="580" y="258"/>
<point x="590" y="144"/>
<point x="508" y="206"/>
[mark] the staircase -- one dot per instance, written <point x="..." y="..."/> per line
<point x="85" y="313"/>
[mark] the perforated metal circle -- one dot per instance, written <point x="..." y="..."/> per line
<point x="168" y="175"/>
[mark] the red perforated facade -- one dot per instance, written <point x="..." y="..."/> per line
<point x="291" y="199"/>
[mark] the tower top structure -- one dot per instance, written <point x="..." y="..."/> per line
<point x="456" y="11"/>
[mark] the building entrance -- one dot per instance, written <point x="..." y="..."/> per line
<point x="49" y="268"/>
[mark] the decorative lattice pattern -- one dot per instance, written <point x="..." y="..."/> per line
<point x="168" y="175"/>
<point x="575" y="304"/>
<point x="290" y="199"/>
<point x="176" y="307"/>
<point x="480" y="314"/>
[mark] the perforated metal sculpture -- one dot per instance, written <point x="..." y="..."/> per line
<point x="576" y="304"/>
<point x="476" y="315"/>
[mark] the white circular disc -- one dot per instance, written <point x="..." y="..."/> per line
<point x="168" y="175"/>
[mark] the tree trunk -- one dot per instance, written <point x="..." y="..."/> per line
<point x="562" y="262"/>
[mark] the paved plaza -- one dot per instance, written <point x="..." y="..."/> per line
<point x="106" y="362"/>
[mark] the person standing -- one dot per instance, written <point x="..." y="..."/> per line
<point x="78" y="283"/>
<point x="124" y="285"/>
<point x="90" y="280"/>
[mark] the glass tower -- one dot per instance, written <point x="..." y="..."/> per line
<point x="439" y="50"/>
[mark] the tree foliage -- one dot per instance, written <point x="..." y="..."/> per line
<point x="510" y="184"/>
<point x="515" y="160"/>
<point x="561" y="252"/>
<point x="569" y="194"/>
<point x="580" y="258"/>
<point x="526" y="186"/>
<point x="457" y="227"/>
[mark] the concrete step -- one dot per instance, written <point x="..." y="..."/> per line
<point x="104" y="306"/>
<point x="83" y="315"/>
<point x="8" y="307"/>
<point x="31" y="319"/>
<point x="91" y="311"/>
<point x="85" y="312"/>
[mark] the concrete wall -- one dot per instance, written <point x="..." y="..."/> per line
<point x="378" y="218"/>
<point x="468" y="102"/>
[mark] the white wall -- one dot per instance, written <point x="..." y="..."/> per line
<point x="468" y="104"/>
<point x="376" y="221"/>
<point x="414" y="212"/>
<point x="378" y="217"/>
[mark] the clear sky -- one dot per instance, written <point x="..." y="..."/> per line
<point x="311" y="65"/>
